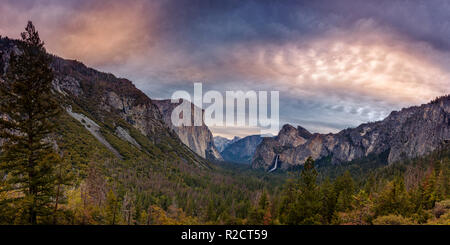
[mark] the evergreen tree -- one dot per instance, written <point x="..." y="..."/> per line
<point x="344" y="188"/>
<point x="369" y="186"/>
<point x="29" y="110"/>
<point x="307" y="206"/>
<point x="363" y="206"/>
<point x="393" y="199"/>
<point x="328" y="198"/>
<point x="428" y="192"/>
<point x="288" y="200"/>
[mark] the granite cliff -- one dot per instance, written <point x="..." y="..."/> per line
<point x="197" y="138"/>
<point x="407" y="133"/>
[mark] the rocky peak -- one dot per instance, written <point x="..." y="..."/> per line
<point x="410" y="132"/>
<point x="291" y="136"/>
<point x="302" y="132"/>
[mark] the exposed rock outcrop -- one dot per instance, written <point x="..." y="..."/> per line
<point x="106" y="98"/>
<point x="408" y="133"/>
<point x="93" y="128"/>
<point x="125" y="135"/>
<point x="197" y="138"/>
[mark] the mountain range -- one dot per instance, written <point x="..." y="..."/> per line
<point x="404" y="134"/>
<point x="221" y="142"/>
<point x="122" y="161"/>
<point x="242" y="150"/>
<point x="114" y="111"/>
<point x="125" y="121"/>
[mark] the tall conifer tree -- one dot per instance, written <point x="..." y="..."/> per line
<point x="28" y="110"/>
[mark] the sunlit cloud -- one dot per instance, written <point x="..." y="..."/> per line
<point x="106" y="34"/>
<point x="362" y="70"/>
<point x="334" y="67"/>
<point x="97" y="33"/>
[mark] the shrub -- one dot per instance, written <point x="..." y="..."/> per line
<point x="441" y="208"/>
<point x="392" y="220"/>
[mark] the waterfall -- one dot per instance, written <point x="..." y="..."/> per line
<point x="276" y="164"/>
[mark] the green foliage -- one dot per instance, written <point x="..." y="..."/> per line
<point x="393" y="199"/>
<point x="328" y="200"/>
<point x="302" y="203"/>
<point x="163" y="182"/>
<point x="392" y="219"/>
<point x="344" y="189"/>
<point x="29" y="109"/>
<point x="384" y="195"/>
<point x="112" y="209"/>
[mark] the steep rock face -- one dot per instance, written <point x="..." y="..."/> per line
<point x="242" y="150"/>
<point x="411" y="132"/>
<point x="197" y="138"/>
<point x="105" y="92"/>
<point x="106" y="98"/>
<point x="99" y="91"/>
<point x="221" y="142"/>
<point x="290" y="136"/>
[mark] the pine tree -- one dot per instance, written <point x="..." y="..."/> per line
<point x="394" y="199"/>
<point x="429" y="191"/>
<point x="328" y="198"/>
<point x="287" y="200"/>
<point x="344" y="188"/>
<point x="260" y="214"/>
<point x="29" y="111"/>
<point x="307" y="206"/>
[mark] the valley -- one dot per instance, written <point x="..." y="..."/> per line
<point x="121" y="161"/>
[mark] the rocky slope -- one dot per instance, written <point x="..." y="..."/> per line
<point x="408" y="133"/>
<point x="221" y="142"/>
<point x="111" y="106"/>
<point x="242" y="150"/>
<point x="197" y="138"/>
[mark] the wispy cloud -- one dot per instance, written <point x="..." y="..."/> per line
<point x="336" y="63"/>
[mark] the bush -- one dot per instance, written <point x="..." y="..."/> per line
<point x="441" y="208"/>
<point x="445" y="204"/>
<point x="442" y="220"/>
<point x="392" y="220"/>
<point x="438" y="211"/>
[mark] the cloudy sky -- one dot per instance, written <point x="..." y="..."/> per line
<point x="336" y="64"/>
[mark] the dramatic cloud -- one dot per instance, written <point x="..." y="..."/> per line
<point x="336" y="63"/>
<point x="98" y="33"/>
<point x="361" y="66"/>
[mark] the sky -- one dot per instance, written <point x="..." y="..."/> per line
<point x="337" y="64"/>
